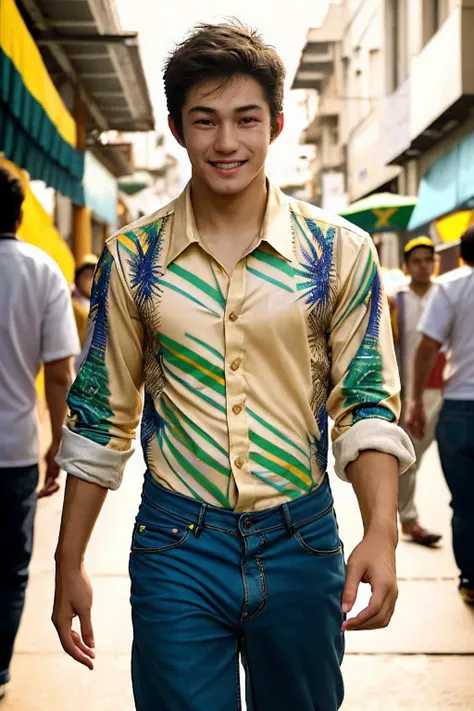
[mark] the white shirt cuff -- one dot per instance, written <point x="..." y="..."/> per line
<point x="375" y="434"/>
<point x="91" y="461"/>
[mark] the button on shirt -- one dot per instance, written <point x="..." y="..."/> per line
<point x="236" y="369"/>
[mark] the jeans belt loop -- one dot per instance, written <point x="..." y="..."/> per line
<point x="287" y="519"/>
<point x="200" y="523"/>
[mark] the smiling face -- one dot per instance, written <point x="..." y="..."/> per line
<point x="227" y="133"/>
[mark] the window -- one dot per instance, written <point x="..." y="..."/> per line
<point x="397" y="47"/>
<point x="435" y="13"/>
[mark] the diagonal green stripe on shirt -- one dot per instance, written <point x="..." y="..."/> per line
<point x="364" y="288"/>
<point x="196" y="474"/>
<point x="174" y="417"/>
<point x="277" y="432"/>
<point x="275" y="468"/>
<point x="270" y="280"/>
<point x="276" y="262"/>
<point x="205" y="345"/>
<point x="282" y="488"/>
<point x="184" y="293"/>
<point x="190" y="362"/>
<point x="191" y="387"/>
<point x="280" y="453"/>
<point x="199" y="283"/>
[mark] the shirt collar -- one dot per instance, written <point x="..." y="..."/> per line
<point x="276" y="229"/>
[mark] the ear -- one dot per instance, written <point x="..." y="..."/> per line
<point x="279" y="126"/>
<point x="174" y="131"/>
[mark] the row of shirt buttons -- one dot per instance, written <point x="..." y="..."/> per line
<point x="236" y="409"/>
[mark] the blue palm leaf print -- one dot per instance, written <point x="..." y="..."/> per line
<point x="145" y="271"/>
<point x="152" y="423"/>
<point x="315" y="269"/>
<point x="88" y="397"/>
<point x="321" y="445"/>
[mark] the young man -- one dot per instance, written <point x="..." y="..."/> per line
<point x="406" y="309"/>
<point x="244" y="314"/>
<point x="36" y="326"/>
<point x="447" y="321"/>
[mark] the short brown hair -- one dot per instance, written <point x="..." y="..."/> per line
<point x="221" y="52"/>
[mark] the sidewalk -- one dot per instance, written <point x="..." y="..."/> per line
<point x="423" y="662"/>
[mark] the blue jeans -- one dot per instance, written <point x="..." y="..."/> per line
<point x="455" y="434"/>
<point x="17" y="514"/>
<point x="209" y="585"/>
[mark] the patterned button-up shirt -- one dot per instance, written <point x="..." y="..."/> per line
<point x="238" y="371"/>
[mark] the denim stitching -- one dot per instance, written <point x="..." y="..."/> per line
<point x="316" y="551"/>
<point x="135" y="549"/>
<point x="244" y="580"/>
<point x="237" y="678"/>
<point x="263" y="588"/>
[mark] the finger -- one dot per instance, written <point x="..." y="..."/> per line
<point x="69" y="646"/>
<point x="382" y="619"/>
<point x="86" y="629"/>
<point x="76" y="638"/>
<point x="353" y="577"/>
<point x="376" y="602"/>
<point x="50" y="487"/>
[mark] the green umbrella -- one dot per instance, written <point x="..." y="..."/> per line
<point x="381" y="212"/>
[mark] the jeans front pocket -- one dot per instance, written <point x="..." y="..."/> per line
<point x="151" y="538"/>
<point x="319" y="535"/>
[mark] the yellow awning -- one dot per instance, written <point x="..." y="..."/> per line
<point x="451" y="227"/>
<point x="17" y="43"/>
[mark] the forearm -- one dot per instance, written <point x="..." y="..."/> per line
<point x="374" y="477"/>
<point x="83" y="502"/>
<point x="56" y="390"/>
<point x="425" y="358"/>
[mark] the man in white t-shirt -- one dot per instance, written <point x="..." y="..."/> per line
<point x="448" y="321"/>
<point x="36" y="327"/>
<point x="406" y="309"/>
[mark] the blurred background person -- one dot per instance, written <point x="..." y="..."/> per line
<point x="36" y="326"/>
<point x="448" y="321"/>
<point x="407" y="306"/>
<point x="81" y="297"/>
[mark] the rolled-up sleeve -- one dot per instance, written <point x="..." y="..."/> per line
<point x="105" y="399"/>
<point x="365" y="398"/>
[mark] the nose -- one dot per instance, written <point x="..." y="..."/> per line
<point x="226" y="139"/>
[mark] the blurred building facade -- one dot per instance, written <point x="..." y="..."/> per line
<point x="395" y="87"/>
<point x="70" y="74"/>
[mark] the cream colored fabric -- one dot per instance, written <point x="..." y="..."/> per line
<point x="237" y="368"/>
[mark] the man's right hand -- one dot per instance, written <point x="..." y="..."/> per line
<point x="73" y="598"/>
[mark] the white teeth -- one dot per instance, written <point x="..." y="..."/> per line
<point x="228" y="166"/>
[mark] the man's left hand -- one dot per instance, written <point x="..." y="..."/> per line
<point x="373" y="562"/>
<point x="50" y="485"/>
<point x="415" y="420"/>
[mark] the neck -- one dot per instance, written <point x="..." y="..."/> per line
<point x="223" y="215"/>
<point x="420" y="288"/>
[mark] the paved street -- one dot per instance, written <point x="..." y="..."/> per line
<point x="423" y="662"/>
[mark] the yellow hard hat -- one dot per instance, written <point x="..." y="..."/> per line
<point x="419" y="242"/>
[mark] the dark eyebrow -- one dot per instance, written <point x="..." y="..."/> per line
<point x="249" y="107"/>
<point x="239" y="110"/>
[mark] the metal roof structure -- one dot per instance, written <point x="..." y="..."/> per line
<point x="82" y="40"/>
<point x="318" y="56"/>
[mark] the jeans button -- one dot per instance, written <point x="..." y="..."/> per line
<point x="247" y="522"/>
